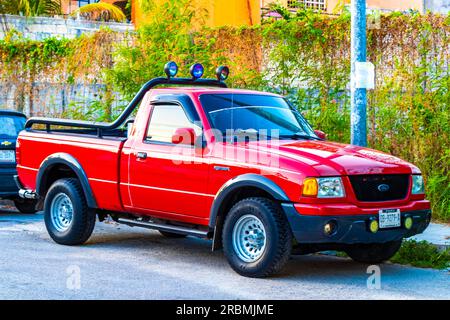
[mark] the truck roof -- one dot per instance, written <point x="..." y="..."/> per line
<point x="210" y="90"/>
<point x="4" y="112"/>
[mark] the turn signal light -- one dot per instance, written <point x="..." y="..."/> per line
<point x="310" y="187"/>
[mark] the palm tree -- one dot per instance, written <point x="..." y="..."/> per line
<point x="30" y="8"/>
<point x="101" y="11"/>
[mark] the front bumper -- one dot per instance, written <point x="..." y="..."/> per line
<point x="309" y="229"/>
<point x="8" y="187"/>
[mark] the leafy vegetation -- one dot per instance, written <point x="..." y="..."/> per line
<point x="167" y="36"/>
<point x="30" y="8"/>
<point x="304" y="56"/>
<point x="408" y="112"/>
<point x="423" y="255"/>
<point x="420" y="254"/>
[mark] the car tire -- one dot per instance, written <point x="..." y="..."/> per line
<point x="373" y="253"/>
<point x="67" y="217"/>
<point x="172" y="235"/>
<point x="25" y="205"/>
<point x="269" y="243"/>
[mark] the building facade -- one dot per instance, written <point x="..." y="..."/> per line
<point x="220" y="12"/>
<point x="331" y="6"/>
<point x="249" y="12"/>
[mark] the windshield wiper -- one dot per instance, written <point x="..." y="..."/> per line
<point x="246" y="132"/>
<point x="298" y="136"/>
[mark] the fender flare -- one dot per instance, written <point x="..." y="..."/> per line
<point x="73" y="164"/>
<point x="245" y="180"/>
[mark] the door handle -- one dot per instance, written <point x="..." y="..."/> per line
<point x="141" y="155"/>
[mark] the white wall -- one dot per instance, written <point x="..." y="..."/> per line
<point x="438" y="6"/>
<point x="38" y="28"/>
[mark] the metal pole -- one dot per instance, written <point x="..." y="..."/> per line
<point x="358" y="54"/>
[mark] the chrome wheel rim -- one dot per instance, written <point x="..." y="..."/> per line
<point x="61" y="211"/>
<point x="249" y="238"/>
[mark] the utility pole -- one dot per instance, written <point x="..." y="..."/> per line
<point x="358" y="54"/>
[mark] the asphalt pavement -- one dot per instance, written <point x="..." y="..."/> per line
<point x="120" y="262"/>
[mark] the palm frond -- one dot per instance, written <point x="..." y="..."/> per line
<point x="101" y="11"/>
<point x="30" y="7"/>
<point x="52" y="7"/>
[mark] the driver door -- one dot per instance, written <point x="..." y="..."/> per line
<point x="167" y="179"/>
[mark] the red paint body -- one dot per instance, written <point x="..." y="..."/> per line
<point x="158" y="187"/>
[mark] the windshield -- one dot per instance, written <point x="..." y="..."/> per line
<point x="266" y="117"/>
<point x="10" y="126"/>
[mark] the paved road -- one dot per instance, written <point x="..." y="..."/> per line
<point x="120" y="262"/>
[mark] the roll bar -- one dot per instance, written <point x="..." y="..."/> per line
<point x="100" y="126"/>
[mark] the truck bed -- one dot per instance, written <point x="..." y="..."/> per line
<point x="84" y="146"/>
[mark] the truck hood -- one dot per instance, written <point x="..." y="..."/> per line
<point x="330" y="158"/>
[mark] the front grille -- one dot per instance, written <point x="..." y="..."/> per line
<point x="370" y="188"/>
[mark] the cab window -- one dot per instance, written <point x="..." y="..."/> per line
<point x="165" y="120"/>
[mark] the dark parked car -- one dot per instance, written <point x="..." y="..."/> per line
<point x="11" y="123"/>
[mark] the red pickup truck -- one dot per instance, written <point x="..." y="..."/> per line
<point x="242" y="168"/>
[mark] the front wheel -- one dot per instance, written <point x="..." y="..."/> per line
<point x="25" y="205"/>
<point x="373" y="253"/>
<point x="257" y="239"/>
<point x="67" y="217"/>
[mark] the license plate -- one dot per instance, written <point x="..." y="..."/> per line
<point x="389" y="218"/>
<point x="8" y="156"/>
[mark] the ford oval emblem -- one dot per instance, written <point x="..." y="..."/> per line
<point x="383" y="187"/>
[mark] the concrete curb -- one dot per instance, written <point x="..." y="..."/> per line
<point x="437" y="234"/>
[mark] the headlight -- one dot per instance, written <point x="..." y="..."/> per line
<point x="330" y="188"/>
<point x="324" y="187"/>
<point x="418" y="186"/>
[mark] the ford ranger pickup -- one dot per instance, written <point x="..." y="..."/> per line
<point x="241" y="168"/>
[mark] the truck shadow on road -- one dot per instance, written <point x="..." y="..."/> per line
<point x="150" y="247"/>
<point x="194" y="251"/>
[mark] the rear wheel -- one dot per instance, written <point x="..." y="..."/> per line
<point x="373" y="253"/>
<point x="67" y="217"/>
<point x="257" y="239"/>
<point x="25" y="205"/>
<point x="172" y="234"/>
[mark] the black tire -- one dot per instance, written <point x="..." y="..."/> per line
<point x="278" y="241"/>
<point x="373" y="253"/>
<point x="83" y="218"/>
<point x="172" y="235"/>
<point x="25" y="205"/>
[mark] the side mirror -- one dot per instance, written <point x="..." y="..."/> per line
<point x="321" y="134"/>
<point x="184" y="136"/>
